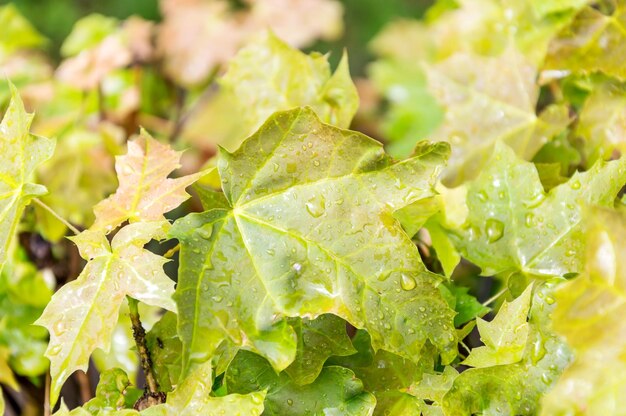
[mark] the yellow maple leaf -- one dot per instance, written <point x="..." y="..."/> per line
<point x="145" y="192"/>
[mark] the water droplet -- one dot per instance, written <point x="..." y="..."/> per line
<point x="276" y="166"/>
<point x="535" y="200"/>
<point x="407" y="282"/>
<point x="217" y="298"/>
<point x="575" y="185"/>
<point x="549" y="300"/>
<point x="422" y="309"/>
<point x="206" y="233"/>
<point x="297" y="267"/>
<point x="530" y="219"/>
<point x="290" y="402"/>
<point x="59" y="327"/>
<point x="482" y="195"/>
<point x="384" y="276"/>
<point x="270" y="251"/>
<point x="316" y="163"/>
<point x="55" y="350"/>
<point x="316" y="207"/>
<point x="494" y="230"/>
<point x="387" y="325"/>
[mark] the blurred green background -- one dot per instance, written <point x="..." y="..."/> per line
<point x="363" y="19"/>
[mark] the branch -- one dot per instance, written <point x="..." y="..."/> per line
<point x="140" y="339"/>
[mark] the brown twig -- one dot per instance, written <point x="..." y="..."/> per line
<point x="84" y="386"/>
<point x="140" y="339"/>
<point x="46" y="402"/>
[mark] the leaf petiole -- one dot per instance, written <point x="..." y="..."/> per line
<point x="56" y="215"/>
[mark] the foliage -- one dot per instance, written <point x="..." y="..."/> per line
<point x="258" y="253"/>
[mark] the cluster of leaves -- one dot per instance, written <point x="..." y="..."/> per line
<point x="318" y="271"/>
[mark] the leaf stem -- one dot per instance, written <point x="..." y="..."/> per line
<point x="170" y="253"/>
<point x="495" y="297"/>
<point x="57" y="216"/>
<point x="140" y="339"/>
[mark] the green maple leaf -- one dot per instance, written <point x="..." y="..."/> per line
<point x="317" y="340"/>
<point x="165" y="351"/>
<point x="590" y="315"/>
<point x="433" y="387"/>
<point x="386" y="375"/>
<point x="593" y="42"/>
<point x="192" y="397"/>
<point x="310" y="231"/>
<point x="335" y="391"/>
<point x="267" y="76"/>
<point x="504" y="90"/>
<point x="515" y="389"/>
<point x="21" y="153"/>
<point x="82" y="315"/>
<point x="114" y="391"/>
<point x="514" y="226"/>
<point x="602" y="120"/>
<point x="505" y="336"/>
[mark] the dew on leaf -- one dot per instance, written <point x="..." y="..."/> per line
<point x="55" y="350"/>
<point x="407" y="282"/>
<point x="316" y="207"/>
<point x="494" y="230"/>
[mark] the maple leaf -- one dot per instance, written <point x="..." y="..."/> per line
<point x="433" y="387"/>
<point x="594" y="41"/>
<point x="505" y="336"/>
<point x="336" y="249"/>
<point x="513" y="225"/>
<point x="514" y="389"/>
<point x="87" y="69"/>
<point x="298" y="22"/>
<point x="82" y="315"/>
<point x="590" y="315"/>
<point x="145" y="192"/>
<point x="489" y="99"/>
<point x="268" y="76"/>
<point x="602" y="121"/>
<point x="192" y="397"/>
<point x="318" y="339"/>
<point x="386" y="375"/>
<point x="21" y="154"/>
<point x="249" y="373"/>
<point x="187" y="28"/>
